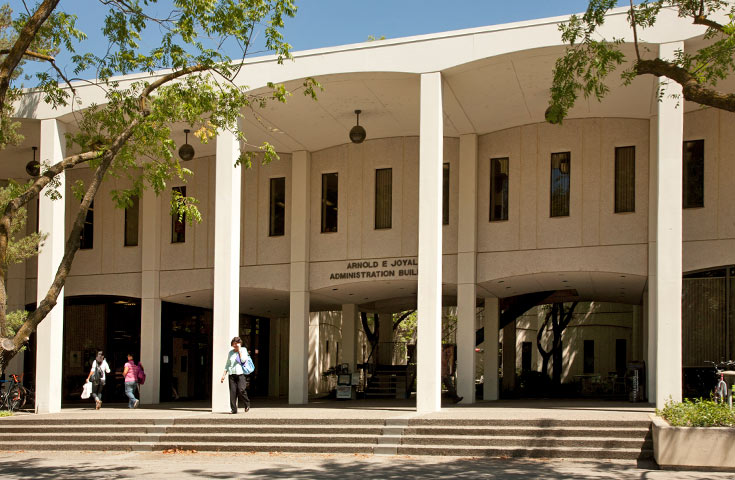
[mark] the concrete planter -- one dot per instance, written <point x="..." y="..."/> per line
<point x="695" y="448"/>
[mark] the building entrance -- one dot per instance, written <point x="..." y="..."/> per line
<point x="186" y="352"/>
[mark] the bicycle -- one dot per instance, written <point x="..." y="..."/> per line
<point x="15" y="396"/>
<point x="721" y="393"/>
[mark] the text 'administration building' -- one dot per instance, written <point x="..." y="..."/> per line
<point x="460" y="195"/>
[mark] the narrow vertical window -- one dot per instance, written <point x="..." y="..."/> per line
<point x="86" y="239"/>
<point x="445" y="195"/>
<point x="624" y="179"/>
<point x="499" y="189"/>
<point x="178" y="226"/>
<point x="131" y="222"/>
<point x="330" y="201"/>
<point x="693" y="175"/>
<point x="383" y="198"/>
<point x="560" y="183"/>
<point x="277" y="221"/>
<point x="589" y="356"/>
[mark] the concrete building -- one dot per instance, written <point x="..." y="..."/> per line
<point x="461" y="195"/>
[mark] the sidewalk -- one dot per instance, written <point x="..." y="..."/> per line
<point x="52" y="465"/>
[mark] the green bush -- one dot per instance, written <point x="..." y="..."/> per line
<point x="697" y="413"/>
<point x="5" y="413"/>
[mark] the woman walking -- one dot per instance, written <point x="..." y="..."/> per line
<point x="98" y="375"/>
<point x="130" y="374"/>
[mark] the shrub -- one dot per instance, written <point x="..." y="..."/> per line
<point x="697" y="413"/>
<point x="5" y="413"/>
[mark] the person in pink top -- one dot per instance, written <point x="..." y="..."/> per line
<point x="130" y="373"/>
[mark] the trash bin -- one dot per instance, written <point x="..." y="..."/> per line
<point x="635" y="377"/>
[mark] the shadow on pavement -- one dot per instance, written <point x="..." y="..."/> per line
<point x="38" y="468"/>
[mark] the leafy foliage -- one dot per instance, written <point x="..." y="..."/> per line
<point x="590" y="57"/>
<point x="697" y="413"/>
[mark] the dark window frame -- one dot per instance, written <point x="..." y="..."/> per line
<point x="692" y="174"/>
<point x="132" y="218"/>
<point x="178" y="227"/>
<point x="383" y="208"/>
<point x="446" y="178"/>
<point x="499" y="185"/>
<point x="621" y="205"/>
<point x="86" y="237"/>
<point x="277" y="207"/>
<point x="330" y="220"/>
<point x="561" y="205"/>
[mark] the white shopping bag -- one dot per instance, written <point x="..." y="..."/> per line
<point x="87" y="390"/>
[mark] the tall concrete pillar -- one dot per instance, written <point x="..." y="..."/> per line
<point x="490" y="359"/>
<point x="298" y="344"/>
<point x="665" y="248"/>
<point x="429" y="301"/>
<point x="509" y="357"/>
<point x="350" y="317"/>
<point x="466" y="268"/>
<point x="150" y="308"/>
<point x="228" y="181"/>
<point x="51" y="221"/>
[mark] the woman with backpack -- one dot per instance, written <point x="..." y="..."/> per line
<point x="131" y="373"/>
<point x="97" y="375"/>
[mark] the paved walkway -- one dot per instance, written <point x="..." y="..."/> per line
<point x="53" y="465"/>
<point x="505" y="409"/>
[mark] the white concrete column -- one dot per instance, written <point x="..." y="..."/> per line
<point x="490" y="358"/>
<point x="150" y="308"/>
<point x="350" y="317"/>
<point x="665" y="276"/>
<point x="51" y="221"/>
<point x="466" y="268"/>
<point x="298" y="342"/>
<point x="510" y="353"/>
<point x="636" y="349"/>
<point x="228" y="180"/>
<point x="429" y="301"/>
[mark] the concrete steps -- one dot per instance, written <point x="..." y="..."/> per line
<point x="613" y="440"/>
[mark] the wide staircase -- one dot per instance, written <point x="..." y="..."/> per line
<point x="579" y="439"/>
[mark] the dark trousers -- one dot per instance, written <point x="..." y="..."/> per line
<point x="237" y="390"/>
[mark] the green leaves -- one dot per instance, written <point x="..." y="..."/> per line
<point x="590" y="59"/>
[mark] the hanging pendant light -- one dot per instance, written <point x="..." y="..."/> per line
<point x="357" y="133"/>
<point x="33" y="168"/>
<point x="186" y="152"/>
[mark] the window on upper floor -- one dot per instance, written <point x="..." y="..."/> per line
<point x="693" y="175"/>
<point x="624" y="179"/>
<point x="330" y="202"/>
<point x="178" y="224"/>
<point x="277" y="222"/>
<point x="383" y="198"/>
<point x="499" y="189"/>
<point x="445" y="195"/>
<point x="86" y="238"/>
<point x="561" y="165"/>
<point x="131" y="222"/>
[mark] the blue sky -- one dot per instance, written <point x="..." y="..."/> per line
<point x="324" y="23"/>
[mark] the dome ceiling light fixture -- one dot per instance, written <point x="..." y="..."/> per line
<point x="357" y="133"/>
<point x="186" y="152"/>
<point x="33" y="168"/>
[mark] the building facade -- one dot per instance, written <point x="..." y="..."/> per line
<point x="461" y="196"/>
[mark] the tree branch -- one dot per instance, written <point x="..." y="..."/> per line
<point x="635" y="30"/>
<point x="701" y="19"/>
<point x="400" y="319"/>
<point x="24" y="40"/>
<point x="691" y="88"/>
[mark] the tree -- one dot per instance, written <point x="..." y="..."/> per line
<point x="191" y="80"/>
<point x="558" y="318"/>
<point x="588" y="59"/>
